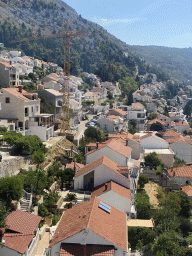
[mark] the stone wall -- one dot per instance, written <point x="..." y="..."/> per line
<point x="12" y="166"/>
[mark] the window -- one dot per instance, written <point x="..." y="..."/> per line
<point x="32" y="109"/>
<point x="37" y="108"/>
<point x="7" y="100"/>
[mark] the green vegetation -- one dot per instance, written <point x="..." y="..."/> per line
<point x="157" y="126"/>
<point x="143" y="206"/>
<point x="178" y="162"/>
<point x="143" y="179"/>
<point x="11" y="188"/>
<point x="153" y="160"/>
<point x="3" y="215"/>
<point x="46" y="106"/>
<point x="152" y="115"/>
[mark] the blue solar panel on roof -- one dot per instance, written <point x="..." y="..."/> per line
<point x="105" y="207"/>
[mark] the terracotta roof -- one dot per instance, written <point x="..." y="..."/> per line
<point x="17" y="242"/>
<point x="156" y="120"/>
<point x="182" y="171"/>
<point x="179" y="139"/>
<point x="112" y="117"/>
<point x="122" y="135"/>
<point x="119" y="111"/>
<point x="77" y="165"/>
<point x="111" y="186"/>
<point x="6" y="64"/>
<point x="102" y="160"/>
<point x="88" y="216"/>
<point x="22" y="222"/>
<point x="116" y="145"/>
<point x="16" y="93"/>
<point x="188" y="190"/>
<point x="88" y="250"/>
<point x="170" y="133"/>
<point x="181" y="123"/>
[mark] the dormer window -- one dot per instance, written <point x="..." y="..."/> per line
<point x="7" y="100"/>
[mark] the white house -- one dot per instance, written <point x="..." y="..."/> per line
<point x="101" y="170"/>
<point x="138" y="112"/>
<point x="182" y="147"/>
<point x="112" y="123"/>
<point x="93" y="227"/>
<point x="181" y="175"/>
<point x="23" y="109"/>
<point x="117" y="196"/>
<point x="21" y="234"/>
<point x="181" y="126"/>
<point x="114" y="149"/>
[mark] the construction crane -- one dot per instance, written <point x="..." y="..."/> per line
<point x="66" y="35"/>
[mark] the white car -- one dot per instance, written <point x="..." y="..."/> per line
<point x="74" y="127"/>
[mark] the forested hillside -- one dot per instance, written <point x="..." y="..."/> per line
<point x="97" y="52"/>
<point x="177" y="62"/>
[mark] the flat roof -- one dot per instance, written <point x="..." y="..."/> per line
<point x="159" y="151"/>
<point x="140" y="223"/>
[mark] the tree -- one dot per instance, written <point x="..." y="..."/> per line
<point x="143" y="179"/>
<point x="3" y="215"/>
<point x="93" y="133"/>
<point x="143" y="205"/>
<point x="157" y="126"/>
<point x="166" y="112"/>
<point x="153" y="160"/>
<point x="109" y="95"/>
<point x="11" y="188"/>
<point x="38" y="157"/>
<point x="152" y="116"/>
<point x="185" y="204"/>
<point x="166" y="219"/>
<point x="167" y="244"/>
<point x="65" y="176"/>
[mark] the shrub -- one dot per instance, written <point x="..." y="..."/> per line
<point x="55" y="219"/>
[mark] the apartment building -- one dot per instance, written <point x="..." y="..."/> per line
<point x="23" y="109"/>
<point x="9" y="75"/>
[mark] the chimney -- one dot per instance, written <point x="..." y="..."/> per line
<point x="70" y="160"/>
<point x="20" y="88"/>
<point x="97" y="145"/>
<point x="127" y="142"/>
<point x="171" y="169"/>
<point x="10" y="62"/>
<point x="174" y="173"/>
<point x="105" y="186"/>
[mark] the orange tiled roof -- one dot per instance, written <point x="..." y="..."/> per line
<point x="111" y="186"/>
<point x="122" y="135"/>
<point x="182" y="171"/>
<point x="17" y="242"/>
<point x="188" y="190"/>
<point x="156" y="120"/>
<point x="16" y="93"/>
<point x="23" y="224"/>
<point x="179" y="139"/>
<point x="119" y="111"/>
<point x="72" y="164"/>
<point x="171" y="133"/>
<point x="88" y="250"/>
<point x="116" y="145"/>
<point x="88" y="216"/>
<point x="181" y="123"/>
<point x="102" y="160"/>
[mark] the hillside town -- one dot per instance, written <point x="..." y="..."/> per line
<point x="113" y="183"/>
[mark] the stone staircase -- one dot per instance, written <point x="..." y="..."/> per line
<point x="25" y="201"/>
<point x="25" y="204"/>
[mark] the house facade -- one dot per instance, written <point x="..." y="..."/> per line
<point x="9" y="75"/>
<point x="97" y="172"/>
<point x="137" y="112"/>
<point x="23" y="109"/>
<point x="88" y="227"/>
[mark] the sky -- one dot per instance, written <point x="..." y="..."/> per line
<point x="141" y="22"/>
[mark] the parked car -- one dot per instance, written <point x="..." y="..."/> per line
<point x="92" y="124"/>
<point x="74" y="127"/>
